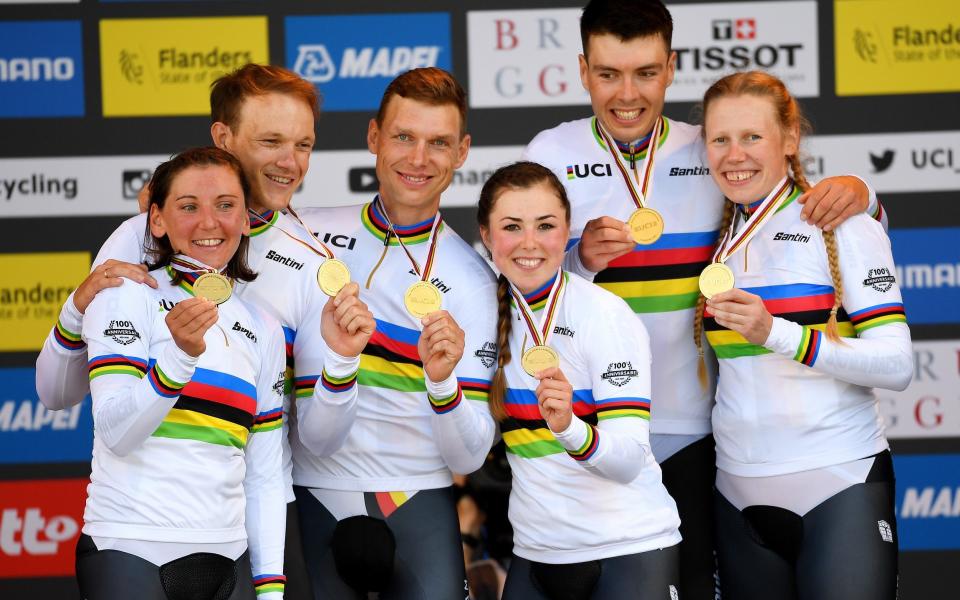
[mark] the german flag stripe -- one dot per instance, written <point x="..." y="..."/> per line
<point x="214" y="409"/>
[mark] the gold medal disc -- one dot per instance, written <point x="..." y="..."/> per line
<point x="646" y="225"/>
<point x="539" y="358"/>
<point x="716" y="278"/>
<point x="214" y="287"/>
<point x="421" y="299"/>
<point x="332" y="275"/>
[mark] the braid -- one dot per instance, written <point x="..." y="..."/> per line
<point x="729" y="209"/>
<point x="498" y="388"/>
<point x="833" y="258"/>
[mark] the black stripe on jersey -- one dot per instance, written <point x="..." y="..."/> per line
<point x="512" y="424"/>
<point x="215" y="409"/>
<point x="651" y="273"/>
<point x="379" y="351"/>
<point x="806" y="317"/>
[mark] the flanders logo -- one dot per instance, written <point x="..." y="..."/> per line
<point x="161" y="67"/>
<point x="881" y="49"/>
<point x="32" y="293"/>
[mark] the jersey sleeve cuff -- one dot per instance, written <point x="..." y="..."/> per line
<point x="67" y="331"/>
<point x="784" y="337"/>
<point x="340" y="367"/>
<point x="172" y="371"/>
<point x="579" y="439"/>
<point x="444" y="395"/>
<point x="269" y="587"/>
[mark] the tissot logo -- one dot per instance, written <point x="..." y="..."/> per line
<point x="363" y="179"/>
<point x="133" y="182"/>
<point x="741" y="29"/>
<point x="881" y="163"/>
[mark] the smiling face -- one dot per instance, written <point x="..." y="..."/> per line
<point x="203" y="215"/>
<point x="627" y="82"/>
<point x="746" y="147"/>
<point x="526" y="235"/>
<point x="418" y="147"/>
<point x="273" y="140"/>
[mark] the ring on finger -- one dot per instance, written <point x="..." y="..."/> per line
<point x="106" y="273"/>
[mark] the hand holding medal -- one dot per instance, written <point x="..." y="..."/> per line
<point x="346" y="323"/>
<point x="540" y="356"/>
<point x="646" y="224"/>
<point x="555" y="399"/>
<point x="189" y="321"/>
<point x="718" y="277"/>
<point x="440" y="345"/>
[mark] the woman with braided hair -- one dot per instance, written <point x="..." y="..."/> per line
<point x="590" y="515"/>
<point x="804" y="323"/>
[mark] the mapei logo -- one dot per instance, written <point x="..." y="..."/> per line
<point x="41" y="69"/>
<point x="352" y="76"/>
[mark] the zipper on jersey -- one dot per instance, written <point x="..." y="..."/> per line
<point x="633" y="157"/>
<point x="386" y="246"/>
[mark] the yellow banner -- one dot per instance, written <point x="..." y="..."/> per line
<point x="32" y="291"/>
<point x="160" y="67"/>
<point x="889" y="47"/>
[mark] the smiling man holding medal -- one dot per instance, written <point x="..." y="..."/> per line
<point x="264" y="116"/>
<point x="648" y="232"/>
<point x="425" y="375"/>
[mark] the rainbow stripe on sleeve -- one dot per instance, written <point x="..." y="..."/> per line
<point x="589" y="447"/>
<point x="875" y="316"/>
<point x="615" y="408"/>
<point x="806" y="304"/>
<point x="526" y="434"/>
<point x="67" y="338"/>
<point x="445" y="405"/>
<point x="337" y="385"/>
<point x="289" y="336"/>
<point x="214" y="407"/>
<point x="264" y="584"/>
<point x="475" y="389"/>
<point x="663" y="276"/>
<point x="116" y="364"/>
<point x="267" y="421"/>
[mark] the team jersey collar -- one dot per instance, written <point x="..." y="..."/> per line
<point x="188" y="270"/>
<point x="260" y="222"/>
<point x="379" y="226"/>
<point x="631" y="151"/>
<point x="751" y="208"/>
<point x="537" y="299"/>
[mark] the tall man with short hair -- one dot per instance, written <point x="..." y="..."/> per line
<point x="626" y="66"/>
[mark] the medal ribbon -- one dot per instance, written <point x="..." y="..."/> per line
<point x="323" y="251"/>
<point x="185" y="264"/>
<point x="755" y="223"/>
<point x="542" y="333"/>
<point x="641" y="188"/>
<point x="424" y="273"/>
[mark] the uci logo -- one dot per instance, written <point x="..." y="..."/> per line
<point x="340" y="241"/>
<point x="586" y="170"/>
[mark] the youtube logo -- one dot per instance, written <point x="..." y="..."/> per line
<point x="363" y="179"/>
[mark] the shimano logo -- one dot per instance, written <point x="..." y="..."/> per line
<point x="37" y="69"/>
<point x="930" y="502"/>
<point x="686" y="172"/>
<point x="33" y="534"/>
<point x="791" y="237"/>
<point x="27" y="415"/>
<point x="315" y="64"/>
<point x="937" y="275"/>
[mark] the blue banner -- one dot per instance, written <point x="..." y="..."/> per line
<point x="29" y="433"/>
<point x="41" y="69"/>
<point x="351" y="59"/>
<point x="928" y="273"/>
<point x="928" y="501"/>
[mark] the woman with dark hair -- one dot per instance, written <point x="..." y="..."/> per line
<point x="804" y="323"/>
<point x="186" y="495"/>
<point x="591" y="517"/>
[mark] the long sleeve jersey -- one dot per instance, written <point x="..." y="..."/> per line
<point x="801" y="401"/>
<point x="285" y="288"/>
<point x="408" y="433"/>
<point x="658" y="281"/>
<point x="186" y="449"/>
<point x="594" y="490"/>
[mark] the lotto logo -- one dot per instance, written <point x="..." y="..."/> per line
<point x="39" y="524"/>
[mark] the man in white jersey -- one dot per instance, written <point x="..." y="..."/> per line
<point x="263" y="115"/>
<point x="626" y="67"/>
<point x="379" y="513"/>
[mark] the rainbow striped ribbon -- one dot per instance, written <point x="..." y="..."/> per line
<point x="423" y="273"/>
<point x="640" y="189"/>
<point x="542" y="333"/>
<point x="324" y="250"/>
<point x="731" y="243"/>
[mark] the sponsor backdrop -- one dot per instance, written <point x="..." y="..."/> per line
<point x="94" y="94"/>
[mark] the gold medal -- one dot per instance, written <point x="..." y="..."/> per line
<point x="715" y="278"/>
<point x="212" y="286"/>
<point x="421" y="299"/>
<point x="332" y="275"/>
<point x="646" y="225"/>
<point x="539" y="358"/>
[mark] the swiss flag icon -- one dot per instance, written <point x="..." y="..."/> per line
<point x="746" y="29"/>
